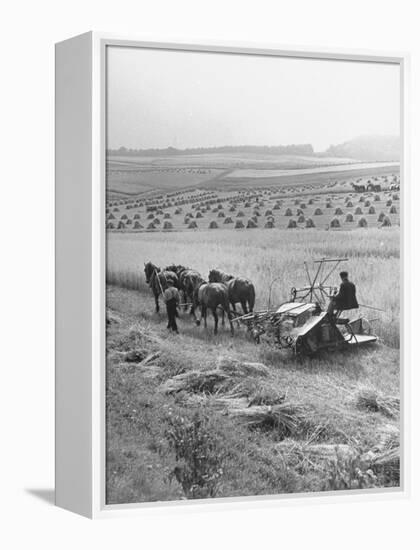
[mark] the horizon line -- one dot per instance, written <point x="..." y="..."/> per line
<point x="251" y="146"/>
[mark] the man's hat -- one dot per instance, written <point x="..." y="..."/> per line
<point x="344" y="274"/>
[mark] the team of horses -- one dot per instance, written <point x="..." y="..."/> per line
<point x="221" y="291"/>
<point x="369" y="187"/>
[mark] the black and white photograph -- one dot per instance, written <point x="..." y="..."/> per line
<point x="253" y="275"/>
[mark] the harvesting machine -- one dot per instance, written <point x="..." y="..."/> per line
<point x="303" y="324"/>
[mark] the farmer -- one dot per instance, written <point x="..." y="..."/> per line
<point x="171" y="298"/>
<point x="346" y="297"/>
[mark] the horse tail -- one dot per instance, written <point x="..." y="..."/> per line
<point x="251" y="297"/>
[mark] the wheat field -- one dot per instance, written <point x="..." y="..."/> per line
<point x="273" y="258"/>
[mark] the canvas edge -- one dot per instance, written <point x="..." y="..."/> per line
<point x="73" y="313"/>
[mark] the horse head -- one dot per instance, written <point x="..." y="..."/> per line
<point x="149" y="269"/>
<point x="215" y="276"/>
<point x="219" y="276"/>
<point x="177" y="269"/>
<point x="171" y="267"/>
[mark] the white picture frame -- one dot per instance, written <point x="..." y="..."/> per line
<point x="80" y="271"/>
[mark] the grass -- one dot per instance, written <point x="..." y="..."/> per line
<point x="192" y="444"/>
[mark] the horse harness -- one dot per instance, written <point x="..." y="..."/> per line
<point x="157" y="276"/>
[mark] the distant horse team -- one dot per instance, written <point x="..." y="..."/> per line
<point x="221" y="292"/>
<point x="369" y="187"/>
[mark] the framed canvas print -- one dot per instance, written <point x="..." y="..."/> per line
<point x="230" y="229"/>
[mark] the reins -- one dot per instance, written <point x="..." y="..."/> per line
<point x="157" y="276"/>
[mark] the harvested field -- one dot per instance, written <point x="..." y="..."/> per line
<point x="309" y="422"/>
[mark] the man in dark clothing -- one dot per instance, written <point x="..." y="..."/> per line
<point x="346" y="297"/>
<point x="171" y="298"/>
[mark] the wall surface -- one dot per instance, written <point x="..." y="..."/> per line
<point x="28" y="33"/>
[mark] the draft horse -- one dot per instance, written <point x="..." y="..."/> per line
<point x="212" y="296"/>
<point x="189" y="280"/>
<point x="240" y="290"/>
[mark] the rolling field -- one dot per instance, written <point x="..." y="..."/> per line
<point x="312" y="178"/>
<point x="199" y="200"/>
<point x="133" y="175"/>
<point x="324" y="168"/>
<point x="226" y="160"/>
<point x="261" y="421"/>
<point x="128" y="179"/>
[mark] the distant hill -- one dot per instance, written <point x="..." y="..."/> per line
<point x="304" y="149"/>
<point x="371" y="148"/>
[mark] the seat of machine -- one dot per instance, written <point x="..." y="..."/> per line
<point x="342" y="321"/>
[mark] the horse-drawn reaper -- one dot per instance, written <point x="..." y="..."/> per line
<point x="303" y="325"/>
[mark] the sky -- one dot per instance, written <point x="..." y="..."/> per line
<point x="159" y="99"/>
